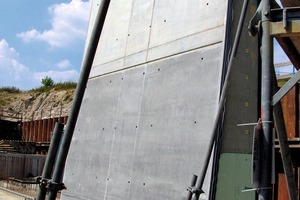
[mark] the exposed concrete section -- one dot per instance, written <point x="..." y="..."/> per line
<point x="242" y="101"/>
<point x="150" y="103"/>
<point x="235" y="148"/>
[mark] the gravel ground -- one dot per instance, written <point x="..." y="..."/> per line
<point x="26" y="189"/>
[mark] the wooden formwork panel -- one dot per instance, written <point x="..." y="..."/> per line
<point x="291" y="112"/>
<point x="282" y="188"/>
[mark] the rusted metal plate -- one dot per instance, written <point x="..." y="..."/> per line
<point x="290" y="3"/>
<point x="289" y="105"/>
<point x="282" y="188"/>
<point x="40" y="130"/>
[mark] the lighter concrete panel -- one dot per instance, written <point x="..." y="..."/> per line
<point x="173" y="20"/>
<point x="141" y="31"/>
<point x="187" y="43"/>
<point x="140" y="26"/>
<point x="113" y="41"/>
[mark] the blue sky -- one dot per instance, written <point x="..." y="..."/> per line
<point x="46" y="38"/>
<point x="41" y="38"/>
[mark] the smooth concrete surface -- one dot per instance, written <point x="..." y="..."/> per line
<point x="136" y="32"/>
<point x="137" y="137"/>
<point x="150" y="103"/>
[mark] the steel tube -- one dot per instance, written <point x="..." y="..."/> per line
<point x="265" y="193"/>
<point x="286" y="88"/>
<point x="80" y="89"/>
<point x="193" y="183"/>
<point x="222" y="100"/>
<point x="48" y="166"/>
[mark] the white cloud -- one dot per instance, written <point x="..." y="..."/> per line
<point x="69" y="23"/>
<point x="58" y="76"/>
<point x="6" y="51"/>
<point x="63" y="64"/>
<point x="12" y="72"/>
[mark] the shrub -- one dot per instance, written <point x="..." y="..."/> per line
<point x="47" y="81"/>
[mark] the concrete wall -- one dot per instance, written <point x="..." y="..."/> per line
<point x="151" y="100"/>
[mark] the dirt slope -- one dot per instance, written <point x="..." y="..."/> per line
<point x="34" y="105"/>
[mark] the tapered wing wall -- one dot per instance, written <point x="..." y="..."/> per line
<point x="150" y="102"/>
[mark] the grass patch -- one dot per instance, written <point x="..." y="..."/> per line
<point x="10" y="90"/>
<point x="57" y="87"/>
<point x="41" y="89"/>
<point x="65" y="85"/>
<point x="3" y="102"/>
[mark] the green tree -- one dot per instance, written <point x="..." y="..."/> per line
<point x="47" y="81"/>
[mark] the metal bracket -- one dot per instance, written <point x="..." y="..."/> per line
<point x="254" y="24"/>
<point x="55" y="186"/>
<point x="284" y="19"/>
<point x="255" y="123"/>
<point x="41" y="181"/>
<point x="195" y="190"/>
<point x="47" y="183"/>
<point x="256" y="189"/>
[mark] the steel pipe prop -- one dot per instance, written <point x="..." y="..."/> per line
<point x="80" y="89"/>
